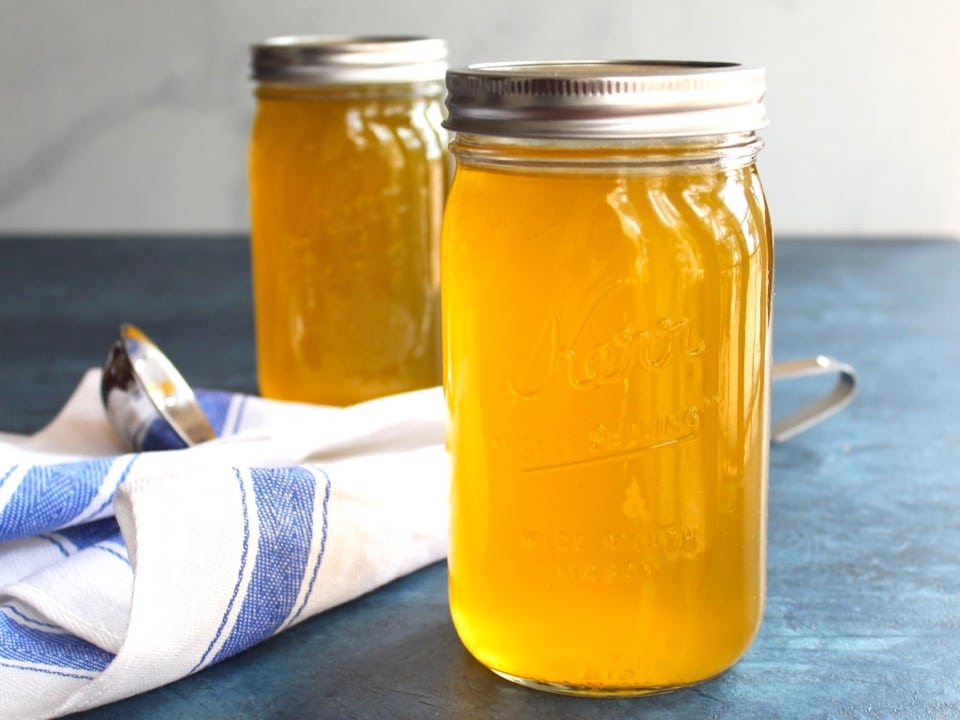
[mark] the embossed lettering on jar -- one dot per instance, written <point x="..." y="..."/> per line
<point x="348" y="172"/>
<point x="606" y="265"/>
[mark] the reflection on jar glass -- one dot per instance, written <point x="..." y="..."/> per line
<point x="607" y="269"/>
<point x="348" y="172"/>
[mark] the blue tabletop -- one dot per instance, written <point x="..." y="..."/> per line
<point x="863" y="608"/>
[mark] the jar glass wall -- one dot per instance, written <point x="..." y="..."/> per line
<point x="606" y="320"/>
<point x="348" y="172"/>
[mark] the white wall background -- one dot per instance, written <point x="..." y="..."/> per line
<point x="132" y="115"/>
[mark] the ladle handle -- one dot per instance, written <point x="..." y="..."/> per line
<point x="823" y="407"/>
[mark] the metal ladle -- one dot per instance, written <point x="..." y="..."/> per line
<point x="145" y="396"/>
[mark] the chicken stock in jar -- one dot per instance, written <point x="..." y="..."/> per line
<point x="348" y="171"/>
<point x="607" y="275"/>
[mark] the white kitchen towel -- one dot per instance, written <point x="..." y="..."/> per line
<point x="122" y="572"/>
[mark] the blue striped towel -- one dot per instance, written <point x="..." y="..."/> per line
<point x="123" y="572"/>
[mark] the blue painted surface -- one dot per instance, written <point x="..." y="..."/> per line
<point x="863" y="611"/>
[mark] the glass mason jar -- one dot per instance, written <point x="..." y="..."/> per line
<point x="607" y="270"/>
<point x="348" y="170"/>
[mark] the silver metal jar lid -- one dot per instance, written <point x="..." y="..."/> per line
<point x="605" y="99"/>
<point x="342" y="60"/>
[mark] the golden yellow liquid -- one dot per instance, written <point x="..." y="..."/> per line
<point x="606" y="359"/>
<point x="346" y="191"/>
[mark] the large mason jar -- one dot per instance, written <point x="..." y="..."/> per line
<point x="607" y="273"/>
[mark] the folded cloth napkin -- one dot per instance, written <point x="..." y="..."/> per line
<point x="122" y="572"/>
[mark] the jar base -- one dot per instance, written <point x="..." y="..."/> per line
<point x="596" y="691"/>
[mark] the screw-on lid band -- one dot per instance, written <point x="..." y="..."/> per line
<point x="605" y="99"/>
<point x="336" y="60"/>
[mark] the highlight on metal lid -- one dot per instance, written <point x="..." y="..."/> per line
<point x="605" y="99"/>
<point x="323" y="59"/>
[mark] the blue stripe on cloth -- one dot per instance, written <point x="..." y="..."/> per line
<point x="25" y="644"/>
<point x="215" y="405"/>
<point x="243" y="564"/>
<point x="55" y="541"/>
<point x="110" y="551"/>
<point x="7" y="473"/>
<point x="284" y="501"/>
<point x="11" y="609"/>
<point x="323" y="548"/>
<point x="120" y="481"/>
<point x="82" y="536"/>
<point x="45" y="671"/>
<point x="238" y="415"/>
<point x="51" y="496"/>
